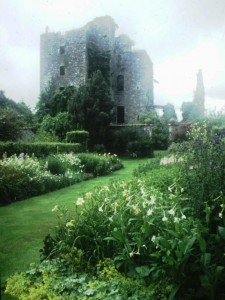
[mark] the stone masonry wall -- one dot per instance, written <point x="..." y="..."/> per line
<point x="137" y="71"/>
<point x="73" y="58"/>
<point x="131" y="71"/>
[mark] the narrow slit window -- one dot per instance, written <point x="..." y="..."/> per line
<point x="62" y="70"/>
<point x="120" y="83"/>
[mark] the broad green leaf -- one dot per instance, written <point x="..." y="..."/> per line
<point x="110" y="238"/>
<point x="206" y="259"/>
<point x="173" y="293"/>
<point x="202" y="244"/>
<point x="172" y="233"/>
<point x="118" y="235"/>
<point x="143" y="271"/>
<point x="221" y="231"/>
<point x="189" y="244"/>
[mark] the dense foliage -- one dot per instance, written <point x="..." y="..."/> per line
<point x="15" y="118"/>
<point x="23" y="176"/>
<point x="160" y="130"/>
<point x="40" y="149"/>
<point x="169" y="113"/>
<point x="166" y="224"/>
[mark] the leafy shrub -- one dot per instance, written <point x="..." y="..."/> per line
<point x="22" y="177"/>
<point x="141" y="148"/>
<point x="43" y="136"/>
<point x="55" y="166"/>
<point x="98" y="164"/>
<point x="178" y="148"/>
<point x="203" y="167"/>
<point x="120" y="140"/>
<point x="99" y="148"/>
<point x="179" y="135"/>
<point x="60" y="163"/>
<point x="38" y="149"/>
<point x="78" y="136"/>
<point x="11" y="124"/>
<point x="152" y="164"/>
<point x="160" y="134"/>
<point x="58" y="125"/>
<point x="147" y="227"/>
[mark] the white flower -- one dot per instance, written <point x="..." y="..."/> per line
<point x="142" y="192"/>
<point x="171" y="212"/>
<point x="183" y="217"/>
<point x="80" y="201"/>
<point x="106" y="188"/>
<point x="100" y="209"/>
<point x="164" y="219"/>
<point x="153" y="238"/>
<point x="221" y="215"/>
<point x="170" y="189"/>
<point x="55" y="208"/>
<point x="125" y="193"/>
<point x="149" y="212"/>
<point x="70" y="224"/>
<point x="152" y="200"/>
<point x="88" y="195"/>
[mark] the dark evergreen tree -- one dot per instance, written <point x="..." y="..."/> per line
<point x="44" y="105"/>
<point x="169" y="112"/>
<point x="11" y="124"/>
<point x="97" y="107"/>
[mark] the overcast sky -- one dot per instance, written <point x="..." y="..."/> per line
<point x="180" y="36"/>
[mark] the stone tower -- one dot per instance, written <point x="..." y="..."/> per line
<point x="199" y="95"/>
<point x="64" y="59"/>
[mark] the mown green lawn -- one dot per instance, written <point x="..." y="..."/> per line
<point x="24" y="224"/>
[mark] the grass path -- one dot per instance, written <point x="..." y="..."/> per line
<point x="24" y="224"/>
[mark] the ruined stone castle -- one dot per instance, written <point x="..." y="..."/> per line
<point x="64" y="59"/>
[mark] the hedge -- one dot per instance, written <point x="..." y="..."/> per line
<point x="38" y="149"/>
<point x="78" y="136"/>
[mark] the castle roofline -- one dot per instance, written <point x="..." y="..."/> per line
<point x="142" y="53"/>
<point x="102" y="21"/>
<point x="124" y="38"/>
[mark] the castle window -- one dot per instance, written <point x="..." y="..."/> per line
<point x="120" y="114"/>
<point x="62" y="70"/>
<point x="62" y="50"/>
<point x="120" y="83"/>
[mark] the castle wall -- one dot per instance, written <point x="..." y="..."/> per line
<point x="63" y="58"/>
<point x="101" y="32"/>
<point x="136" y="69"/>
